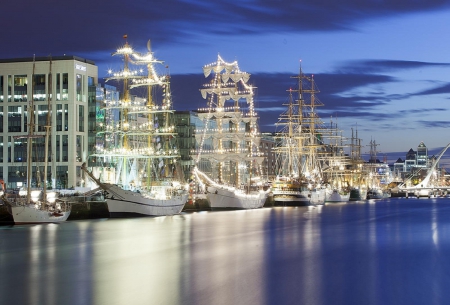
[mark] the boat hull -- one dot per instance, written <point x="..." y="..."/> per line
<point x="223" y="198"/>
<point x="358" y="194"/>
<point x="28" y="214"/>
<point x="123" y="203"/>
<point x="335" y="196"/>
<point x="374" y="195"/>
<point x="318" y="196"/>
<point x="298" y="198"/>
<point x="291" y="197"/>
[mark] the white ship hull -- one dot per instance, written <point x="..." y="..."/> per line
<point x="299" y="197"/>
<point x="26" y="214"/>
<point x="318" y="196"/>
<point x="335" y="196"/>
<point x="224" y="198"/>
<point x="123" y="203"/>
<point x="291" y="196"/>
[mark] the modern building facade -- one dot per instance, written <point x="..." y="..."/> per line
<point x="72" y="89"/>
<point x="267" y="146"/>
<point x="186" y="123"/>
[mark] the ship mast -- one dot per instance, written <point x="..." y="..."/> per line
<point x="31" y="125"/>
<point x="48" y="127"/>
<point x="125" y="51"/>
<point x="235" y="137"/>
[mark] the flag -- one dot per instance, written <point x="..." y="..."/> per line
<point x="125" y="36"/>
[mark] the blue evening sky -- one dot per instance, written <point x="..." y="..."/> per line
<point x="381" y="65"/>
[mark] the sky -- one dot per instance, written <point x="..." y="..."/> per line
<point x="382" y="66"/>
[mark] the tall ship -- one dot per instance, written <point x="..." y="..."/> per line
<point x="228" y="157"/>
<point x="336" y="171"/>
<point x="299" y="143"/>
<point x="135" y="162"/>
<point x="379" y="175"/>
<point x="36" y="204"/>
<point x="358" y="179"/>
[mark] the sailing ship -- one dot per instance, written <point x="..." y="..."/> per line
<point x="36" y="205"/>
<point x="135" y="162"/>
<point x="379" y="175"/>
<point x="358" y="187"/>
<point x="299" y="174"/>
<point x="335" y="170"/>
<point x="228" y="157"/>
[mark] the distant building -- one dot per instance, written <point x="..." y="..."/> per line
<point x="422" y="156"/>
<point x="415" y="162"/>
<point x="266" y="146"/>
<point x="410" y="160"/>
<point x="398" y="168"/>
<point x="73" y="92"/>
<point x="185" y="125"/>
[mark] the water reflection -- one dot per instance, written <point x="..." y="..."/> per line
<point x="392" y="251"/>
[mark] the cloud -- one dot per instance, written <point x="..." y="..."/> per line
<point x="434" y="124"/>
<point x="74" y="27"/>
<point x="338" y="92"/>
<point x="383" y="66"/>
<point x="442" y="89"/>
<point x="420" y="111"/>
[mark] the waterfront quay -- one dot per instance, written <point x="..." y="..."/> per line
<point x="391" y="251"/>
<point x="83" y="208"/>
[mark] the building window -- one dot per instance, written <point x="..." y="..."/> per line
<point x="39" y="87"/>
<point x="66" y="117"/>
<point x="65" y="148"/>
<point x="81" y="118"/>
<point x="79" y="148"/>
<point x="65" y="87"/>
<point x="58" y="148"/>
<point x="20" y="88"/>
<point x="17" y="176"/>
<point x="62" y="176"/>
<point x="80" y="88"/>
<point x="1" y="119"/>
<point x="9" y="87"/>
<point x="91" y="81"/>
<point x="1" y="88"/>
<point x="14" y="118"/>
<point x="59" y="117"/>
<point x="1" y="150"/>
<point x="25" y="118"/>
<point x="42" y="117"/>
<point x="58" y="86"/>
<point x="20" y="151"/>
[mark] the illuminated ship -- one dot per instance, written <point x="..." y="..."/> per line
<point x="228" y="157"/>
<point x="336" y="171"/>
<point x="299" y="174"/>
<point x="36" y="205"/>
<point x="136" y="153"/>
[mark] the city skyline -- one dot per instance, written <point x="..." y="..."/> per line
<point x="381" y="67"/>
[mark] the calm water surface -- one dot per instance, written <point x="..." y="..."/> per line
<point x="395" y="251"/>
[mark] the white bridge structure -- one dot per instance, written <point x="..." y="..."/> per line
<point x="424" y="188"/>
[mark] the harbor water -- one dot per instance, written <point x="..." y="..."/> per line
<point x="393" y="251"/>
